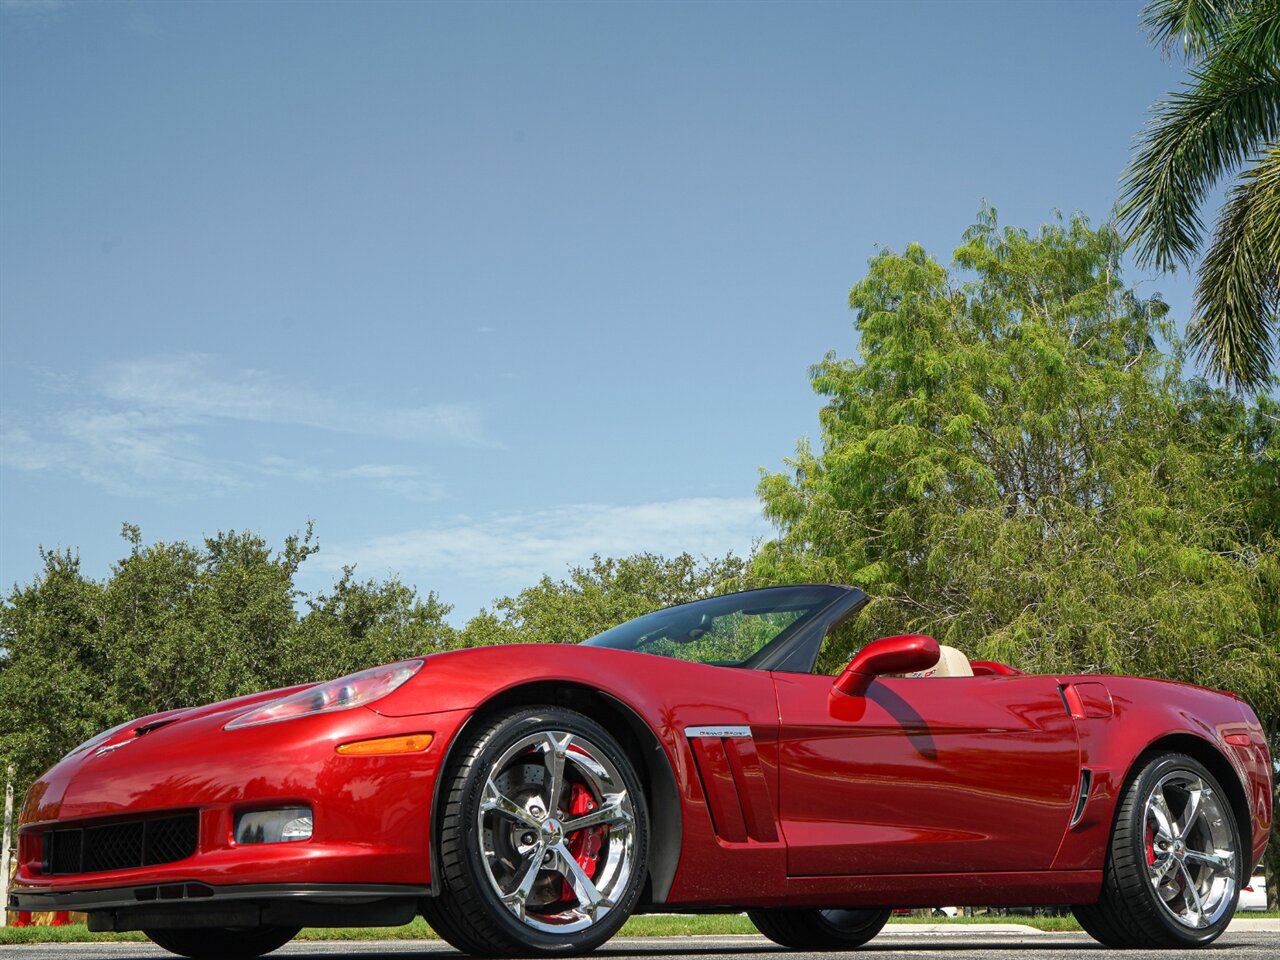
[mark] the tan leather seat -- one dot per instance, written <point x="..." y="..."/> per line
<point x="951" y="663"/>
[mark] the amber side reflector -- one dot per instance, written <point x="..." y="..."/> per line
<point x="384" y="746"/>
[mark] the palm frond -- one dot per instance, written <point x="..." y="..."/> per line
<point x="1227" y="111"/>
<point x="1238" y="291"/>
<point x="1252" y="38"/>
<point x="1194" y="25"/>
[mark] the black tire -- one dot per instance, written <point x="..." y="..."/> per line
<point x="819" y="929"/>
<point x="1129" y="912"/>
<point x="468" y="912"/>
<point x="222" y="943"/>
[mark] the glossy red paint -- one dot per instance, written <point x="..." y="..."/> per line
<point x="902" y="654"/>
<point x="925" y="776"/>
<point x="1087" y="700"/>
<point x="956" y="789"/>
<point x="1149" y="715"/>
<point x="368" y="811"/>
<point x="989" y="668"/>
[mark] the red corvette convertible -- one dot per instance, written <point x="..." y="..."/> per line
<point x="528" y="799"/>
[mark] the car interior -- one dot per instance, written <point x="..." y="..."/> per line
<point x="951" y="663"/>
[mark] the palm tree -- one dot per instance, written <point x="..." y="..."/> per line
<point x="1225" y="117"/>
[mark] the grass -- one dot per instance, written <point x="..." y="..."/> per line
<point x="647" y="926"/>
<point x="1049" y="924"/>
<point x="658" y="925"/>
<point x="75" y="933"/>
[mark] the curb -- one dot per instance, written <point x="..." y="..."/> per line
<point x="960" y="929"/>
<point x="1255" y="924"/>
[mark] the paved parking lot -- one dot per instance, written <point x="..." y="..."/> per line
<point x="960" y="945"/>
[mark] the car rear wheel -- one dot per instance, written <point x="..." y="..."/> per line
<point x="1173" y="867"/>
<point x="819" y="929"/>
<point x="223" y="943"/>
<point x="543" y="837"/>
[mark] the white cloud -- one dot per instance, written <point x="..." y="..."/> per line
<point x="142" y="428"/>
<point x="510" y="551"/>
<point x="407" y="482"/>
<point x="126" y="453"/>
<point x="188" y="388"/>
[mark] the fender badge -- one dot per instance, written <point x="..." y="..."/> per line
<point x="115" y="746"/>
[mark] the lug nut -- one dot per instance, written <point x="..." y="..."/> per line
<point x="528" y="837"/>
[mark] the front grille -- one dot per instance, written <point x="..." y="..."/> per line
<point x="169" y="840"/>
<point x="120" y="845"/>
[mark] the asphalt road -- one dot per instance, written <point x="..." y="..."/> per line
<point x="1245" y="945"/>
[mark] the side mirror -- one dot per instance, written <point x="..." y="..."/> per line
<point x="904" y="654"/>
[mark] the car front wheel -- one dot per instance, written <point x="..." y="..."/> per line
<point x="222" y="943"/>
<point x="1173" y="866"/>
<point x="543" y="837"/>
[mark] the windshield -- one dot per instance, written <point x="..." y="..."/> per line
<point x="725" y="631"/>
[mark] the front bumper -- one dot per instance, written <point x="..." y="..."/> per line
<point x="192" y="904"/>
<point x="118" y="898"/>
<point x="371" y="813"/>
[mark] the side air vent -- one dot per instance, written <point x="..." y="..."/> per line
<point x="734" y="783"/>
<point x="155" y="725"/>
<point x="1088" y="700"/>
<point x="1082" y="798"/>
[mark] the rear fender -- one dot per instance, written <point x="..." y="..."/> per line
<point x="1150" y="716"/>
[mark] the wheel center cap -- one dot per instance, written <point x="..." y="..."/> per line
<point x="552" y="830"/>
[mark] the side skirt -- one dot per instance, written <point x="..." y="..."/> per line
<point x="1028" y="888"/>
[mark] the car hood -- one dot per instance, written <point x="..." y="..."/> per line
<point x="155" y="721"/>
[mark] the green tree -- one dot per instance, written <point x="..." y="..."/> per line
<point x="186" y="624"/>
<point x="1017" y="467"/>
<point x="357" y="624"/>
<point x="1226" y="116"/>
<point x="53" y="690"/>
<point x="599" y="596"/>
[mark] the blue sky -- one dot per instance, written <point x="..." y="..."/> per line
<point x="484" y="289"/>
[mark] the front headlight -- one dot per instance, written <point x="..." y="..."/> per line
<point x="342" y="694"/>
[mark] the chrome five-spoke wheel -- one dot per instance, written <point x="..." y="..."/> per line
<point x="544" y="838"/>
<point x="1191" y="855"/>
<point x="557" y="828"/>
<point x="1172" y="871"/>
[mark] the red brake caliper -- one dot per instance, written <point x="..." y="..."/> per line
<point x="583" y="844"/>
<point x="1149" y="835"/>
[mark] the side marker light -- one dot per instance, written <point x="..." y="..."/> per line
<point x="386" y="746"/>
